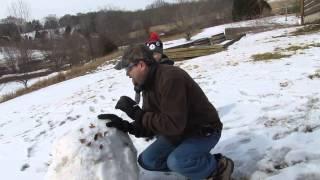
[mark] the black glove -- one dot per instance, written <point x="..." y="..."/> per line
<point x="139" y="131"/>
<point x="133" y="128"/>
<point x="116" y="122"/>
<point x="130" y="107"/>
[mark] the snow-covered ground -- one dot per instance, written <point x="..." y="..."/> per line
<point x="208" y="32"/>
<point x="51" y="32"/>
<point x="36" y="55"/>
<point x="1" y="58"/>
<point x="270" y="110"/>
<point x="10" y="87"/>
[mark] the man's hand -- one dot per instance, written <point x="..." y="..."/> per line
<point x="133" y="128"/>
<point x="116" y="122"/>
<point x="130" y="107"/>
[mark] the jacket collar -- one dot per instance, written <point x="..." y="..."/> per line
<point x="148" y="83"/>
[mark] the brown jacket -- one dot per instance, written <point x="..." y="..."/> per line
<point x="175" y="105"/>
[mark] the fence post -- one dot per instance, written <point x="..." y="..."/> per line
<point x="302" y="11"/>
<point x="286" y="12"/>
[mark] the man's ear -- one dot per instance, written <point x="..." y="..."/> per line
<point x="142" y="64"/>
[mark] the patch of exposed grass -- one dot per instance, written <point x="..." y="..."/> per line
<point x="314" y="45"/>
<point x="62" y="76"/>
<point x="295" y="48"/>
<point x="299" y="47"/>
<point x="309" y="29"/>
<point x="274" y="40"/>
<point x="269" y="56"/>
<point x="278" y="49"/>
<point x="315" y="75"/>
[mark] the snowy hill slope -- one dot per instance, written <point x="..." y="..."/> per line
<point x="270" y="110"/>
<point x="208" y="32"/>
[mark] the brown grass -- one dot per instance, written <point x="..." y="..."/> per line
<point x="295" y="48"/>
<point x="278" y="6"/>
<point x="62" y="76"/>
<point x="315" y="75"/>
<point x="309" y="29"/>
<point x="299" y="47"/>
<point x="278" y="55"/>
<point x="268" y="56"/>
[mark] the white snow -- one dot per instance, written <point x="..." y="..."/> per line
<point x="29" y="73"/>
<point x="50" y="31"/>
<point x="35" y="55"/>
<point x="1" y="58"/>
<point x="208" y="32"/>
<point x="38" y="55"/>
<point x="10" y="87"/>
<point x="94" y="151"/>
<point x="270" y="111"/>
<point x="29" y="34"/>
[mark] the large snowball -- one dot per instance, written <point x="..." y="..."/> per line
<point x="94" y="152"/>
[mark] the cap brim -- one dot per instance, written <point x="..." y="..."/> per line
<point x="119" y="66"/>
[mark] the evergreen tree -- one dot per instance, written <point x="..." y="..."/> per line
<point x="248" y="9"/>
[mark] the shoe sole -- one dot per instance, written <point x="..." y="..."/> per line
<point x="230" y="168"/>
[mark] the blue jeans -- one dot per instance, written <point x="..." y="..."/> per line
<point x="191" y="158"/>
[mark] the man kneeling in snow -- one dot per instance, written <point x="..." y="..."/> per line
<point x="177" y="112"/>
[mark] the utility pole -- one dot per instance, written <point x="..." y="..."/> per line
<point x="302" y="11"/>
<point x="287" y="12"/>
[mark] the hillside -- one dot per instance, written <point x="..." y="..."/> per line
<point x="270" y="108"/>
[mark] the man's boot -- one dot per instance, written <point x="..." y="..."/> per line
<point x="224" y="170"/>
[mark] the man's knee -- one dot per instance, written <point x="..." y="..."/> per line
<point x="145" y="162"/>
<point x="176" y="163"/>
<point x="152" y="163"/>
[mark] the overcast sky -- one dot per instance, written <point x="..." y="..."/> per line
<point x="42" y="8"/>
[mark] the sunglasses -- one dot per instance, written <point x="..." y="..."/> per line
<point x="128" y="68"/>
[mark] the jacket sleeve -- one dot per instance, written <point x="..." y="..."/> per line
<point x="172" y="118"/>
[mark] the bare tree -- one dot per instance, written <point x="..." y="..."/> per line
<point x="156" y="4"/>
<point x="23" y="81"/>
<point x="112" y="24"/>
<point x="51" y="22"/>
<point x="71" y="50"/>
<point x="24" y="53"/>
<point x="10" y="56"/>
<point x="86" y="25"/>
<point x="56" y="53"/>
<point x="24" y="61"/>
<point x="21" y="11"/>
<point x="142" y="28"/>
<point x="77" y="52"/>
<point x="18" y="57"/>
<point x="186" y="17"/>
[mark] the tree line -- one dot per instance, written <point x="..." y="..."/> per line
<point x="76" y="39"/>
